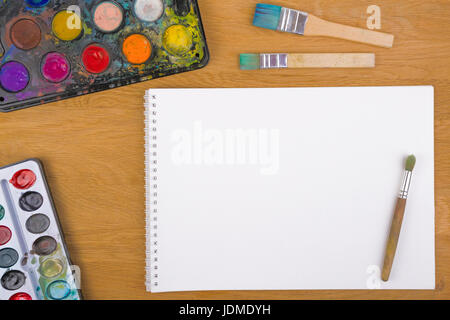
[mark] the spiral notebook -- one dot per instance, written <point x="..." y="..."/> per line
<point x="287" y="188"/>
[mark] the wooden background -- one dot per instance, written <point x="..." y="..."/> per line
<point x="93" y="147"/>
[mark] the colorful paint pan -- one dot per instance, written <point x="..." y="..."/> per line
<point x="177" y="40"/>
<point x="31" y="201"/>
<point x="34" y="261"/>
<point x="13" y="280"/>
<point x="37" y="223"/>
<point x="58" y="290"/>
<point x="95" y="58"/>
<point x="67" y="25"/>
<point x="20" y="296"/>
<point x="51" y="268"/>
<point x="14" y="76"/>
<point x="44" y="246"/>
<point x="37" y="3"/>
<point x="8" y="257"/>
<point x="54" y="50"/>
<point x="108" y="16"/>
<point x="55" y="67"/>
<point x="23" y="179"/>
<point x="137" y="48"/>
<point x="148" y="10"/>
<point x="25" y="34"/>
<point x="5" y="235"/>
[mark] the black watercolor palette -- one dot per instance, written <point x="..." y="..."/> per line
<point x="34" y="261"/>
<point x="57" y="49"/>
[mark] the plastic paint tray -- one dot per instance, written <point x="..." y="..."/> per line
<point x="34" y="261"/>
<point x="57" y="49"/>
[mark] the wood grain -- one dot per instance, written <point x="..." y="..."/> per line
<point x="316" y="26"/>
<point x="93" y="148"/>
<point x="394" y="234"/>
<point x="331" y="60"/>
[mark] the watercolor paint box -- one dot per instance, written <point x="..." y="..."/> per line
<point x="34" y="261"/>
<point x="57" y="49"/>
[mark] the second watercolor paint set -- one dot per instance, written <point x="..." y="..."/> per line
<point x="56" y="49"/>
<point x="34" y="261"/>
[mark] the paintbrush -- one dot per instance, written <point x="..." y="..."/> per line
<point x="249" y="61"/>
<point x="396" y="225"/>
<point x="294" y="21"/>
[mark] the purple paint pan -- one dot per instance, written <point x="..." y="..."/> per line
<point x="14" y="76"/>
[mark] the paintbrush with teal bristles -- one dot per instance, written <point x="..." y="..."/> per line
<point x="397" y="220"/>
<point x="249" y="61"/>
<point x="294" y="21"/>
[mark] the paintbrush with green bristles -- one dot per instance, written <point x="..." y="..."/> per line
<point x="294" y="21"/>
<point x="396" y="225"/>
<point x="249" y="61"/>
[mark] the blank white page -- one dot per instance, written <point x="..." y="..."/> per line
<point x="288" y="188"/>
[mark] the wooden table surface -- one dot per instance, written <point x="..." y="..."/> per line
<point x="93" y="146"/>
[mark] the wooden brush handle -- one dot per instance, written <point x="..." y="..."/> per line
<point x="319" y="27"/>
<point x="391" y="246"/>
<point x="331" y="60"/>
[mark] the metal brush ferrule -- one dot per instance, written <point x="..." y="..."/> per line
<point x="292" y="21"/>
<point x="273" y="60"/>
<point x="405" y="185"/>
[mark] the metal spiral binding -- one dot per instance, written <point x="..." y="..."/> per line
<point x="151" y="192"/>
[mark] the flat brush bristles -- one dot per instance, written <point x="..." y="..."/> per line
<point x="267" y="16"/>
<point x="410" y="163"/>
<point x="249" y="61"/>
